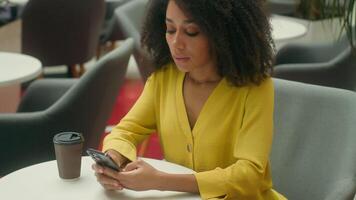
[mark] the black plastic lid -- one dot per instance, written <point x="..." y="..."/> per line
<point x="68" y="138"/>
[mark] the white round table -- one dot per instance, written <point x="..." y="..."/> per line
<point x="41" y="181"/>
<point x="19" y="2"/>
<point x="18" y="68"/>
<point x="15" y="69"/>
<point x="284" y="28"/>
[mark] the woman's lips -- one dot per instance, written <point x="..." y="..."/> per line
<point x="181" y="59"/>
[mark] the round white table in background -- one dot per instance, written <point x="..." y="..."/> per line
<point x="285" y="28"/>
<point x="41" y="181"/>
<point x="19" y="2"/>
<point x="15" y="69"/>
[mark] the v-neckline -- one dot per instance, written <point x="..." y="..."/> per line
<point x="181" y="108"/>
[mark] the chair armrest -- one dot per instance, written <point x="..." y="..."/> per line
<point x="12" y="122"/>
<point x="343" y="190"/>
<point x="41" y="94"/>
<point x="22" y="140"/>
<point x="304" y="53"/>
<point x="312" y="73"/>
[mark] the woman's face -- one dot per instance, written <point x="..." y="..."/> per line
<point x="188" y="45"/>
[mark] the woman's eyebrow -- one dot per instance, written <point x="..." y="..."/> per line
<point x="169" y="20"/>
<point x="188" y="21"/>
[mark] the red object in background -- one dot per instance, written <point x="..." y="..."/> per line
<point x="129" y="93"/>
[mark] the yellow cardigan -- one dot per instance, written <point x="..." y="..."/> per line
<point x="229" y="145"/>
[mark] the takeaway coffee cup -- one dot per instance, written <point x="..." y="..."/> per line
<point x="68" y="147"/>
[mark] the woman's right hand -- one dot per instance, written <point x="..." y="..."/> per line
<point x="107" y="177"/>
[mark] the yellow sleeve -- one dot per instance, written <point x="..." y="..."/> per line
<point x="136" y="126"/>
<point x="245" y="178"/>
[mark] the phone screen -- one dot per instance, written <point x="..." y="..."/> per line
<point x="102" y="159"/>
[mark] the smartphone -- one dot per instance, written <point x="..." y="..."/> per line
<point x="102" y="159"/>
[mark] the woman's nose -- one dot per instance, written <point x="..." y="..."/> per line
<point x="178" y="41"/>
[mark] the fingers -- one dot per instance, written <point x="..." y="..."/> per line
<point x="136" y="175"/>
<point x="139" y="176"/>
<point x="131" y="166"/>
<point x="108" y="182"/>
<point x="110" y="187"/>
<point x="105" y="180"/>
<point x="106" y="172"/>
<point x="109" y="172"/>
<point x="97" y="168"/>
<point x="129" y="172"/>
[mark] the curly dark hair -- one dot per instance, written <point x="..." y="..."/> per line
<point x="239" y="34"/>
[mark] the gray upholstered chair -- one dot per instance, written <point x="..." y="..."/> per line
<point x="62" y="32"/>
<point x="314" y="147"/>
<point x="110" y="32"/>
<point x="282" y="7"/>
<point x="311" y="52"/>
<point x="129" y="19"/>
<point x="50" y="106"/>
<point x="331" y="64"/>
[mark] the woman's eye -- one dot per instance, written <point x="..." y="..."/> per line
<point x="192" y="31"/>
<point x="192" y="34"/>
<point x="170" y="31"/>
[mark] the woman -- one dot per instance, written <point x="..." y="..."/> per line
<point x="210" y="99"/>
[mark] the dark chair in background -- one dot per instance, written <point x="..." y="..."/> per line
<point x="282" y="7"/>
<point x="311" y="52"/>
<point x="314" y="150"/>
<point x="110" y="32"/>
<point x="129" y="19"/>
<point x="50" y="106"/>
<point x="332" y="64"/>
<point x="62" y="32"/>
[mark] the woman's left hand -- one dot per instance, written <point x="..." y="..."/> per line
<point x="139" y="175"/>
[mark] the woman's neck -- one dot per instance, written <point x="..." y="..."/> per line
<point x="206" y="77"/>
<point x="202" y="81"/>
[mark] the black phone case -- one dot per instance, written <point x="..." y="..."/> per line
<point x="102" y="159"/>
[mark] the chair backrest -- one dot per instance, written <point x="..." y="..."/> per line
<point x="87" y="106"/>
<point x="340" y="72"/>
<point x="337" y="66"/>
<point x="130" y="19"/>
<point x="110" y="31"/>
<point x="62" y="32"/>
<point x="314" y="147"/>
<point x="27" y="138"/>
<point x="311" y="52"/>
<point x="282" y="7"/>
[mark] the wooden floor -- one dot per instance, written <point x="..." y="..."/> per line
<point x="10" y="37"/>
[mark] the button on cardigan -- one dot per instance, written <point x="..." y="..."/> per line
<point x="228" y="146"/>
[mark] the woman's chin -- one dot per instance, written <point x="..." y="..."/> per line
<point x="183" y="68"/>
